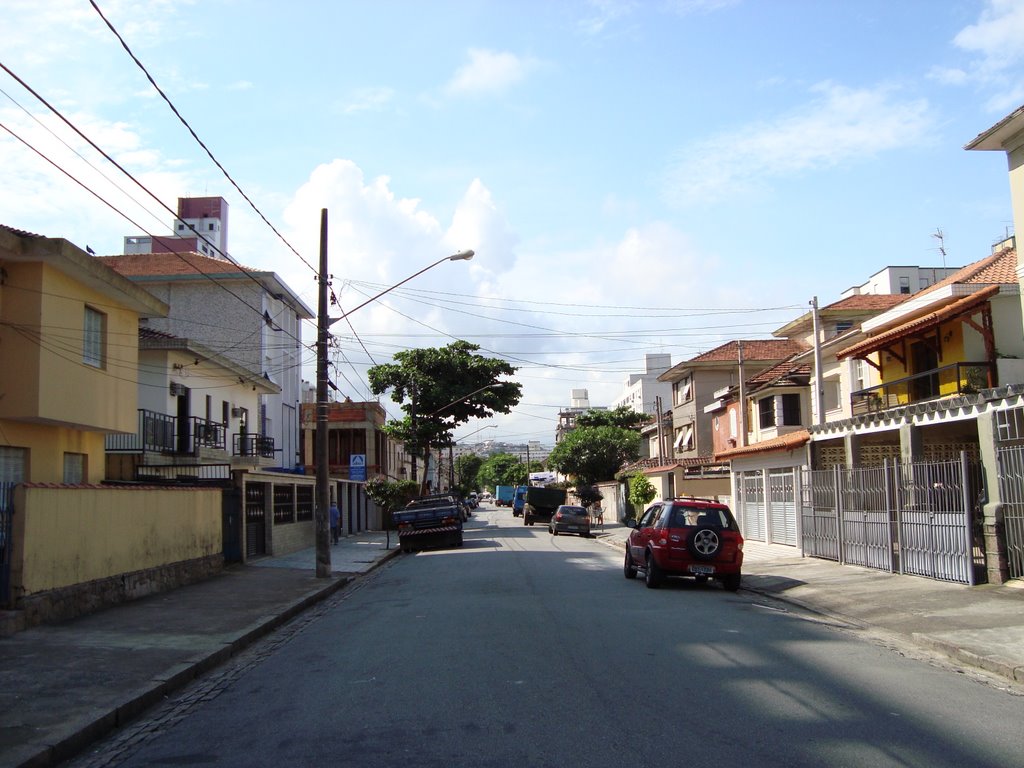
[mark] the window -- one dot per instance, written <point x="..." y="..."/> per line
<point x="684" y="391"/>
<point x="904" y="285"/>
<point x="92" y="338"/>
<point x="860" y="375"/>
<point x="684" y="438"/>
<point x="842" y="326"/>
<point x="13" y="464"/>
<point x="766" y="412"/>
<point x="832" y="394"/>
<point x="791" y="410"/>
<point x="74" y="468"/>
<point x="923" y="283"/>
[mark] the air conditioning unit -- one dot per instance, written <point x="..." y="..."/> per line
<point x="236" y="412"/>
<point x="177" y="389"/>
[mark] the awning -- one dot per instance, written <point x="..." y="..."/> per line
<point x="963" y="306"/>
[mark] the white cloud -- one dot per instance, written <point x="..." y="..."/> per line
<point x="605" y="13"/>
<point x="685" y="7"/>
<point x="840" y="126"/>
<point x="489" y="71"/>
<point x="995" y="42"/>
<point x="367" y="100"/>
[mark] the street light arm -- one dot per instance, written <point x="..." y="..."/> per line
<point x="461" y="256"/>
<point x="464" y="397"/>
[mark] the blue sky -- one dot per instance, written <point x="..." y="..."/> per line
<point x="634" y="176"/>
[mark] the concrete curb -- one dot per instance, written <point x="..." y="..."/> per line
<point x="79" y="736"/>
<point x="993" y="664"/>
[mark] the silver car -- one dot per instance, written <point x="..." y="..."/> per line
<point x="570" y="519"/>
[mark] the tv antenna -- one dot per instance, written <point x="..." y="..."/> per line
<point x="942" y="244"/>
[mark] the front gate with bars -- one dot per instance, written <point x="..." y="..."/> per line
<point x="6" y="514"/>
<point x="1011" y="492"/>
<point x="752" y="506"/>
<point x="255" y="519"/>
<point x="912" y="518"/>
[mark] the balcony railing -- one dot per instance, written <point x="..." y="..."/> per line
<point x="947" y="381"/>
<point x="253" y="445"/>
<point x="208" y="434"/>
<point x="156" y="433"/>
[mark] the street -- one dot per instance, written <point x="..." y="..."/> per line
<point x="523" y="649"/>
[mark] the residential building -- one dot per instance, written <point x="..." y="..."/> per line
<point x="194" y="415"/>
<point x="201" y="227"/>
<point x="643" y="392"/>
<point x="68" y="329"/>
<point x="250" y="317"/>
<point x="579" y="403"/>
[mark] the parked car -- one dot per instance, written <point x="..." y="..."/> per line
<point x="570" y="519"/>
<point x="685" y="537"/>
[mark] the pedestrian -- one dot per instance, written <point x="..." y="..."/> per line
<point x="335" y="522"/>
<point x="597" y="511"/>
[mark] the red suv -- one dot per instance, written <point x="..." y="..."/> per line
<point x="685" y="537"/>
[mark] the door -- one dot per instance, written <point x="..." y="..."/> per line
<point x="782" y="506"/>
<point x="231" y="515"/>
<point x="642" y="534"/>
<point x="923" y="358"/>
<point x="184" y="420"/>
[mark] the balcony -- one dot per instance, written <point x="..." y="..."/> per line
<point x="253" y="445"/>
<point x="947" y="381"/>
<point x="164" y="434"/>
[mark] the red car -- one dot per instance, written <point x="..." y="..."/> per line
<point x="685" y="537"/>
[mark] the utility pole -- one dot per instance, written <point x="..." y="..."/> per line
<point x="323" y="468"/>
<point x="661" y="435"/>
<point x="819" y="384"/>
<point x="743" y="395"/>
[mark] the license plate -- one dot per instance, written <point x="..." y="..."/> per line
<point x="703" y="570"/>
<point x="572" y="527"/>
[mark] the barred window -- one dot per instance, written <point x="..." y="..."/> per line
<point x="92" y="338"/>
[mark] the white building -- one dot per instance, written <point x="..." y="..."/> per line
<point x="642" y="390"/>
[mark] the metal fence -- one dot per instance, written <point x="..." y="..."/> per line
<point x="1011" y="492"/>
<point x="6" y="514"/>
<point x="912" y="518"/>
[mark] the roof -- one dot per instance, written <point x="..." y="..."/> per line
<point x="788" y="442"/>
<point x="851" y="307"/>
<point x="753" y="349"/>
<point x="194" y="266"/>
<point x="780" y="373"/>
<point x="948" y="312"/>
<point x="151" y="339"/>
<point x="999" y="267"/>
<point x="997" y="136"/>
<point x="68" y="258"/>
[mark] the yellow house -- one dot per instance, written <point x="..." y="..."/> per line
<point x="68" y="358"/>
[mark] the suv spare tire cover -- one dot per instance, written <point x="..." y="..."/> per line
<point x="703" y="543"/>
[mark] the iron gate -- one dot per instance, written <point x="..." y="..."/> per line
<point x="752" y="506"/>
<point x="1011" y="492"/>
<point x="6" y="513"/>
<point x="782" y="506"/>
<point x="912" y="518"/>
<point x="255" y="519"/>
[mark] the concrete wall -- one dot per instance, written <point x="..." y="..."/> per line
<point x="79" y="548"/>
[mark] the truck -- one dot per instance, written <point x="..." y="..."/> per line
<point x="434" y="520"/>
<point x="503" y="495"/>
<point x="540" y="503"/>
<point x="518" y="499"/>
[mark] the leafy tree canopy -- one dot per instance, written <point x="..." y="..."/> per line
<point x="466" y="469"/>
<point x="623" y="417"/>
<point x="592" y="454"/>
<point x="505" y="469"/>
<point x="442" y="388"/>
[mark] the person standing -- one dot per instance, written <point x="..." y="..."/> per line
<point x="335" y="523"/>
<point x="597" y="511"/>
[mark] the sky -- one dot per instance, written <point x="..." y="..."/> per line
<point x="635" y="177"/>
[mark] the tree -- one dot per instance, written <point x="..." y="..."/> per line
<point x="390" y="496"/>
<point x="440" y="389"/>
<point x="592" y="454"/>
<point x="623" y="417"/>
<point x="467" y="467"/>
<point x="641" y="491"/>
<point x="502" y="469"/>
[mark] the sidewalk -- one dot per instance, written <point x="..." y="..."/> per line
<point x="63" y="687"/>
<point x="980" y="627"/>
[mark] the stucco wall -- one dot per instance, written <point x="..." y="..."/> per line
<point x="71" y="535"/>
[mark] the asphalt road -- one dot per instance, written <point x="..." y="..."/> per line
<point x="522" y="649"/>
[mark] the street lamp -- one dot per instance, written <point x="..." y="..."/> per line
<point x="496" y="385"/>
<point x="323" y="489"/>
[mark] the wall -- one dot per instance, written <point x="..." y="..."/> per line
<point x="79" y="548"/>
<point x="46" y="447"/>
<point x="51" y="365"/>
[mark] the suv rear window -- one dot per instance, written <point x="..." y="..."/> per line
<point x="690" y="517"/>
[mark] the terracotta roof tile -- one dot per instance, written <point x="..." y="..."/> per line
<point x="868" y="301"/>
<point x="170" y="265"/>
<point x="785" y="442"/>
<point x="788" y="368"/>
<point x="753" y="349"/>
<point x="1000" y="267"/>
